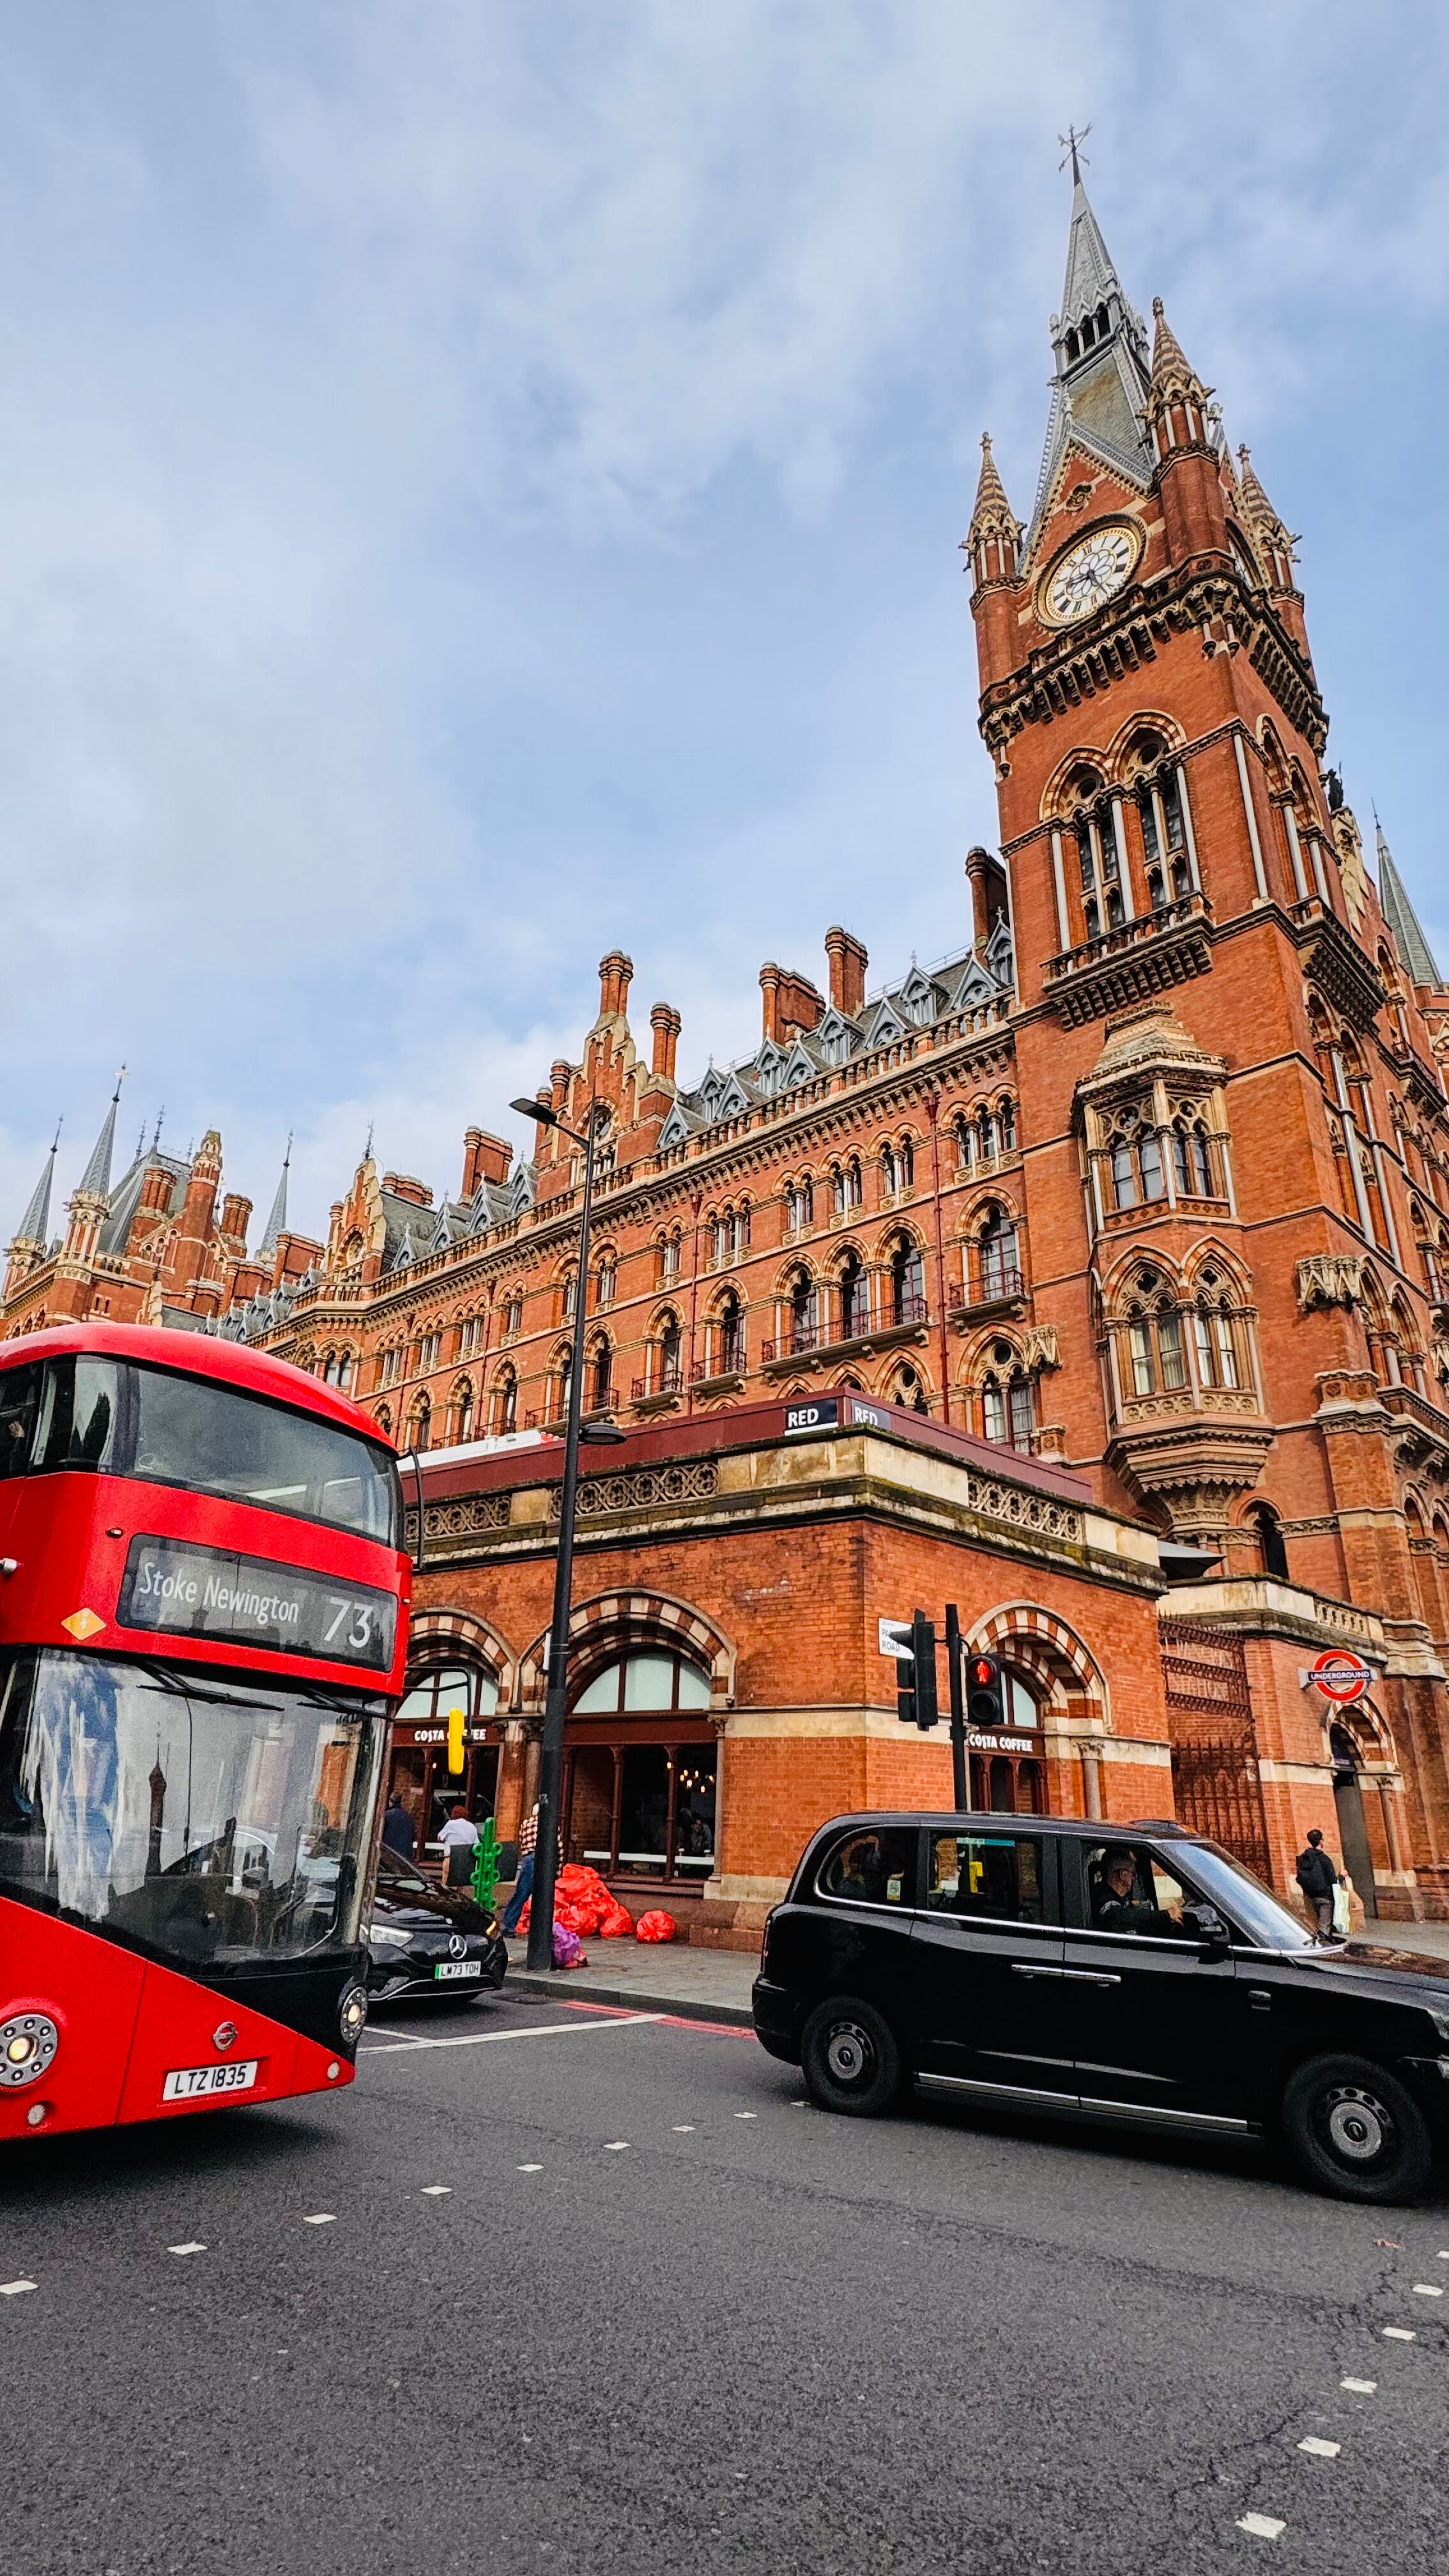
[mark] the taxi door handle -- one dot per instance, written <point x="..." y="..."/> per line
<point x="1259" y="1999"/>
<point x="1018" y="1970"/>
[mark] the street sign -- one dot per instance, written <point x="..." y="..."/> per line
<point x="895" y="1639"/>
<point x="823" y="1414"/>
<point x="1341" y="1676"/>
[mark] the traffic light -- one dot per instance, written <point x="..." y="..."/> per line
<point x="915" y="1671"/>
<point x="457" y="1725"/>
<point x="985" y="1692"/>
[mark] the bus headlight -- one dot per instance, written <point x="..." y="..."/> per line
<point x="353" y="2014"/>
<point x="28" y="2042"/>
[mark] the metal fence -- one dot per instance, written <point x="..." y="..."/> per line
<point x="1215" y="1776"/>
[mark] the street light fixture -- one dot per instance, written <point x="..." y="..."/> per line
<point x="550" y="1767"/>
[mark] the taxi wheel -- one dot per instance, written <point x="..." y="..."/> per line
<point x="849" y="2058"/>
<point x="1352" y="2128"/>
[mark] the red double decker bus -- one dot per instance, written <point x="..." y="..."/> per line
<point x="203" y="1624"/>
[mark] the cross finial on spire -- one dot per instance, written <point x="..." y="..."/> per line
<point x="156" y="1132"/>
<point x="367" y="1148"/>
<point x="120" y="1078"/>
<point x="1071" y="143"/>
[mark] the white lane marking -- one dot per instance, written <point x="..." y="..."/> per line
<point x="528" y="2168"/>
<point x="321" y="2218"/>
<point x="13" y="2289"/>
<point x="1360" y="2387"/>
<point x="615" y="2146"/>
<point x="533" y="2030"/>
<point x="1427" y="2290"/>
<point x="193" y="2248"/>
<point x="1320" y="2450"/>
<point x="1401" y="2334"/>
<point x="1444" y="2253"/>
<point x="747" y="2115"/>
<point x="684" y="2128"/>
<point x="1261" y="2526"/>
<point x="437" y="2191"/>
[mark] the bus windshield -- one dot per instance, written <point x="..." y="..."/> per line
<point x="123" y="1419"/>
<point x="212" y="1822"/>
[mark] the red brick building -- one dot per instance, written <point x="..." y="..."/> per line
<point x="1146" y="1183"/>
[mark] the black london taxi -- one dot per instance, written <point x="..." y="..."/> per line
<point x="1135" y="1974"/>
<point x="423" y="1939"/>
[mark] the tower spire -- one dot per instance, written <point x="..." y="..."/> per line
<point x="35" y="1224"/>
<point x="1100" y="345"/>
<point x="1400" y="915"/>
<point x="994" y="534"/>
<point x="277" y="1221"/>
<point x="95" y="1180"/>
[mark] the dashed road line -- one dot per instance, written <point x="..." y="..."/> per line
<point x="1428" y="2290"/>
<point x="192" y="2248"/>
<point x="1261" y="2526"/>
<point x="1360" y="2387"/>
<point x="528" y="2168"/>
<point x="14" y="2289"/>
<point x="1319" y="2450"/>
<point x="615" y="2146"/>
<point x="1400" y="2334"/>
<point x="684" y="2128"/>
<point x="321" y="2218"/>
<point x="437" y="2191"/>
<point x="747" y="2115"/>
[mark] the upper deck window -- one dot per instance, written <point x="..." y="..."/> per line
<point x="119" y="1418"/>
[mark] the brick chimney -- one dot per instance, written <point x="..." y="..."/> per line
<point x="236" y="1216"/>
<point x="156" y="1188"/>
<point x="791" y="1003"/>
<point x="485" y="1158"/>
<point x="403" y="1186"/>
<point x="665" y="1021"/>
<point x="616" y="973"/>
<point x="848" y="962"/>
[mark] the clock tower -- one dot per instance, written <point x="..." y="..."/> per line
<point x="1235" y="1148"/>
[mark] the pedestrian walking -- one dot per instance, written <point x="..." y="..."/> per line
<point x="459" y="1840"/>
<point x="523" y="1884"/>
<point x="398" y="1830"/>
<point x="1318" y="1877"/>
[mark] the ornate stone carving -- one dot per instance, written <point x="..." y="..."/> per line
<point x="636" y="1488"/>
<point x="1039" y="1348"/>
<point x="474" y="1512"/>
<point x="1329" y="1279"/>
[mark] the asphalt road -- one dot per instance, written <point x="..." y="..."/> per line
<point x="595" y="2293"/>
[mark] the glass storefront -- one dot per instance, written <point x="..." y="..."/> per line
<point x="641" y="1770"/>
<point x="420" y="1777"/>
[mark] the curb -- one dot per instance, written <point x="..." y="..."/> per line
<point x="563" y="1981"/>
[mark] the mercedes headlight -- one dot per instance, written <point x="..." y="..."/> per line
<point x="391" y="1939"/>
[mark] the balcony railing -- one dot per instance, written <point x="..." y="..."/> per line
<point x="670" y="1381"/>
<point x="1132" y="960"/>
<point x="903" y="1314"/>
<point x="985" y="1288"/>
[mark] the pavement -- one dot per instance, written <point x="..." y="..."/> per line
<point x="555" y="2286"/>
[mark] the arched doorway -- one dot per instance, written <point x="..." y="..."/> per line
<point x="419" y="1773"/>
<point x="1353" y="1841"/>
<point x="1012" y="1780"/>
<point x="640" y="1771"/>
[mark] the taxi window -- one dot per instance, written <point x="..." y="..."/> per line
<point x="1130" y="1890"/>
<point x="994" y="1877"/>
<point x="875" y="1867"/>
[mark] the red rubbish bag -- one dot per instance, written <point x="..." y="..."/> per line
<point x="617" y="1924"/>
<point x="656" y="1925"/>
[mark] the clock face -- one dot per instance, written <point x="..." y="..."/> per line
<point x="1089" y="573"/>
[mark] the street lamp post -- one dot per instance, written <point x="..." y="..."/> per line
<point x="550" y="1768"/>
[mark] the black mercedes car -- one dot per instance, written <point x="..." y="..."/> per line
<point x="427" y="1940"/>
<point x="1134" y="1974"/>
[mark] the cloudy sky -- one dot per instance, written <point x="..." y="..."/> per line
<point x="481" y="481"/>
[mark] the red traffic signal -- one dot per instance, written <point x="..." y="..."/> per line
<point x="985" y="1692"/>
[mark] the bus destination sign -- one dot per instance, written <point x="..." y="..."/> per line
<point x="188" y="1591"/>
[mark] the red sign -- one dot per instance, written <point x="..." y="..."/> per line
<point x="1341" y="1676"/>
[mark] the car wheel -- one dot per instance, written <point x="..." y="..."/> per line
<point x="849" y="2058"/>
<point x="1352" y="2128"/>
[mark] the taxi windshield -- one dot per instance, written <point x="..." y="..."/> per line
<point x="211" y="1821"/>
<point x="124" y="1419"/>
<point x="1245" y="1900"/>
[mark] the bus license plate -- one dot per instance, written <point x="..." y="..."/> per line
<point x="459" y="1968"/>
<point x="185" y="2083"/>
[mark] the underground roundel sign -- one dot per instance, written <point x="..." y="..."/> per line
<point x="1341" y="1676"/>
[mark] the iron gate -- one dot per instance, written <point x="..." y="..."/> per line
<point x="1215" y="1778"/>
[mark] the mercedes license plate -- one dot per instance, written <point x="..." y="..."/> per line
<point x="185" y="2083"/>
<point x="458" y="1968"/>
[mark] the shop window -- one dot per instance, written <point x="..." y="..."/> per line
<point x="639" y="1796"/>
<point x="419" y="1775"/>
<point x="645" y="1681"/>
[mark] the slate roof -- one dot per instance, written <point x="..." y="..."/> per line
<point x="1098" y="397"/>
<point x="1401" y="917"/>
<point x="920" y="998"/>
